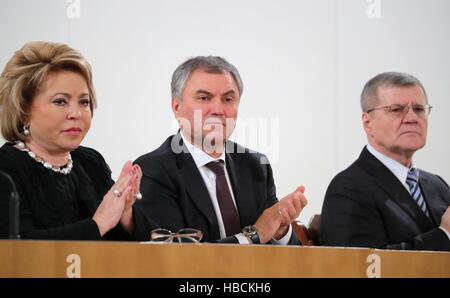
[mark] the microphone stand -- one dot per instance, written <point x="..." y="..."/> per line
<point x="13" y="208"/>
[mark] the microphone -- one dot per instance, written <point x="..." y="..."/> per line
<point x="13" y="208"/>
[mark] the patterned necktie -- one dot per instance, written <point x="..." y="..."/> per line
<point x="227" y="209"/>
<point x="413" y="182"/>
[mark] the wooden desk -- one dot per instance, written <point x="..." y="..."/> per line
<point x="27" y="258"/>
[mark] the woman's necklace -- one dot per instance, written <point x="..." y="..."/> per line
<point x="63" y="170"/>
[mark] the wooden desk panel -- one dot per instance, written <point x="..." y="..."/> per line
<point x="27" y="258"/>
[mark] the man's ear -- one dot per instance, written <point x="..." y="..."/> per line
<point x="367" y="123"/>
<point x="175" y="106"/>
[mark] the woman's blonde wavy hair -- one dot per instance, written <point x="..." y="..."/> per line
<point x="24" y="73"/>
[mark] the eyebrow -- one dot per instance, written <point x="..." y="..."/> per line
<point x="231" y="92"/>
<point x="68" y="95"/>
<point x="203" y="91"/>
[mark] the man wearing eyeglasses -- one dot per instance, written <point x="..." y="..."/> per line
<point x="382" y="200"/>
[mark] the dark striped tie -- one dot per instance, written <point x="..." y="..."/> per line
<point x="229" y="213"/>
<point x="413" y="182"/>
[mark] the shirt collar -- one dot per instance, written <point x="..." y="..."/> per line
<point x="399" y="170"/>
<point x="199" y="156"/>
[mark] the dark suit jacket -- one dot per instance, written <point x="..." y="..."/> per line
<point x="367" y="206"/>
<point x="175" y="195"/>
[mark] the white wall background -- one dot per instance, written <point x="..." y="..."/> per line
<point x="303" y="64"/>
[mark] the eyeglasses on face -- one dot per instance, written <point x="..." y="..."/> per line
<point x="400" y="110"/>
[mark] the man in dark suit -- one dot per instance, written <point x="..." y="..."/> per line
<point x="381" y="200"/>
<point x="199" y="179"/>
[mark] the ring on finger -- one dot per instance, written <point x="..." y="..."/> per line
<point x="138" y="196"/>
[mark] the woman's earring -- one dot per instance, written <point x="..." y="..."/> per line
<point x="26" y="130"/>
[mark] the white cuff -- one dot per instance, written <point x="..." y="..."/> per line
<point x="242" y="239"/>
<point x="446" y="232"/>
<point x="285" y="239"/>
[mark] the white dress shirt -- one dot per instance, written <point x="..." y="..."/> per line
<point x="399" y="170"/>
<point x="201" y="159"/>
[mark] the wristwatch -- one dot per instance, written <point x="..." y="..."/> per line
<point x="252" y="234"/>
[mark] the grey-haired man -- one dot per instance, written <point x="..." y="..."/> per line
<point x="381" y="200"/>
<point x="199" y="179"/>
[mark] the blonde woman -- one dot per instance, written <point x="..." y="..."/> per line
<point x="47" y="101"/>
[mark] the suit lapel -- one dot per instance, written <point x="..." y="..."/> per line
<point x="428" y="193"/>
<point x="196" y="188"/>
<point x="386" y="180"/>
